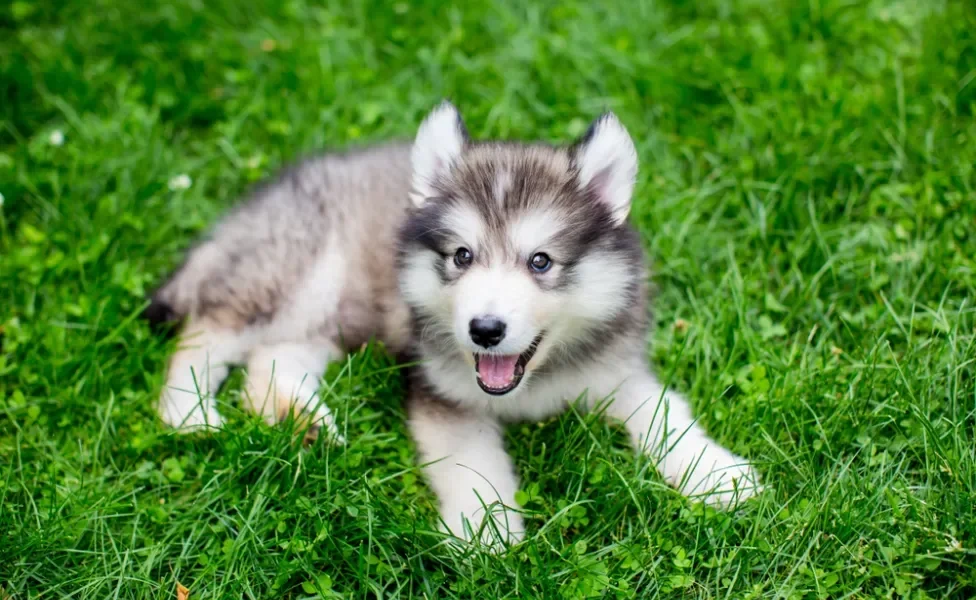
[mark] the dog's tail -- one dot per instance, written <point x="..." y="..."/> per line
<point x="163" y="312"/>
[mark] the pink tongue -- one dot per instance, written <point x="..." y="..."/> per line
<point x="497" y="371"/>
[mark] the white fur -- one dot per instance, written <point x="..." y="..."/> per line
<point x="318" y="293"/>
<point x="532" y="230"/>
<point x="466" y="225"/>
<point x="501" y="185"/>
<point x="608" y="162"/>
<point x="508" y="291"/>
<point x="281" y="374"/>
<point x="195" y="373"/>
<point x="421" y="283"/>
<point x="283" y="377"/>
<point x="508" y="294"/>
<point x="604" y="293"/>
<point x="660" y="424"/>
<point x="658" y="421"/>
<point x="438" y="144"/>
<point x="469" y="470"/>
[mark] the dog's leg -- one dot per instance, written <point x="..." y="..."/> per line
<point x="195" y="372"/>
<point x="660" y="423"/>
<point x="469" y="470"/>
<point x="286" y="377"/>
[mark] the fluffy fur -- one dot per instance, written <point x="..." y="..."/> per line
<point x="420" y="246"/>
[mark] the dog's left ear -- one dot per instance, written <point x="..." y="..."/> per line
<point x="607" y="163"/>
<point x="438" y="145"/>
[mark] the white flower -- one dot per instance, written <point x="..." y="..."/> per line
<point x="1" y="199"/>
<point x="56" y="138"/>
<point x="953" y="545"/>
<point x="180" y="182"/>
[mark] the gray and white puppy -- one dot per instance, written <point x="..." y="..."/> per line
<point x="507" y="271"/>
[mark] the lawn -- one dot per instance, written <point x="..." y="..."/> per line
<point x="806" y="196"/>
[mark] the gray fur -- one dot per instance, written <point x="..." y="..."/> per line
<point x="342" y="248"/>
<point x="253" y="261"/>
<point x="541" y="176"/>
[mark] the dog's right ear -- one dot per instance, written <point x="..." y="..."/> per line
<point x="438" y="145"/>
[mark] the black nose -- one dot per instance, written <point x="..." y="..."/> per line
<point x="487" y="331"/>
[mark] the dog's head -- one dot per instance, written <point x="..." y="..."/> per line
<point x="517" y="254"/>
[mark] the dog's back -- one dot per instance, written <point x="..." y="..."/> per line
<point x="300" y="270"/>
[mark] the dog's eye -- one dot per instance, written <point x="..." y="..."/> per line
<point x="463" y="257"/>
<point x="540" y="262"/>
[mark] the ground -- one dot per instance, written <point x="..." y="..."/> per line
<point x="806" y="195"/>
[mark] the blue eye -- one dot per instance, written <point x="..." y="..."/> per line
<point x="540" y="262"/>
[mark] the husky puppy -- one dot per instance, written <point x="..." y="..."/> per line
<point x="506" y="271"/>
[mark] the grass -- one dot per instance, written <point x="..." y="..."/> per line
<point x="807" y="196"/>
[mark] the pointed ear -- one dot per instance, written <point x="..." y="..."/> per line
<point x="435" y="149"/>
<point x="607" y="162"/>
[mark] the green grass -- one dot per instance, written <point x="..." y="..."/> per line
<point x="807" y="196"/>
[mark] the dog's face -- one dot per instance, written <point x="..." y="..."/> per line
<point x="514" y="252"/>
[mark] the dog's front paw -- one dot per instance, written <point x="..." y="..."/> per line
<point x="495" y="529"/>
<point x="716" y="477"/>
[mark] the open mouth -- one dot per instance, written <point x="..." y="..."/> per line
<point x="498" y="374"/>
